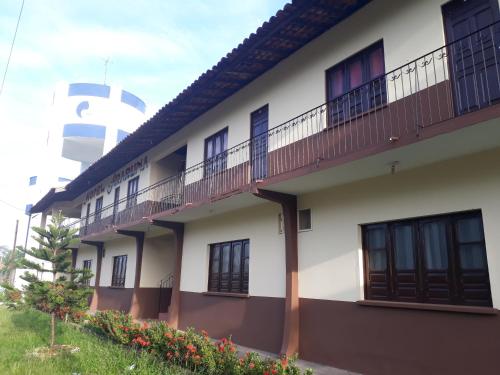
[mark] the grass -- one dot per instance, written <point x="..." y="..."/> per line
<point x="23" y="331"/>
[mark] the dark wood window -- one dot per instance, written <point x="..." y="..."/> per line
<point x="98" y="208"/>
<point x="439" y="259"/>
<point x="356" y="85"/>
<point x="87" y="265"/>
<point x="132" y="189"/>
<point x="119" y="271"/>
<point x="305" y="219"/>
<point x="229" y="262"/>
<point x="215" y="152"/>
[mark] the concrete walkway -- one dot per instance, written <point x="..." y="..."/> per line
<point x="316" y="367"/>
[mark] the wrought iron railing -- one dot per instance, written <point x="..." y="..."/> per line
<point x="450" y="81"/>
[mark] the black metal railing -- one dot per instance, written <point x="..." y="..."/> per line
<point x="453" y="80"/>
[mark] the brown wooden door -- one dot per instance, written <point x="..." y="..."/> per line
<point x="436" y="270"/>
<point x="473" y="274"/>
<point x="404" y="252"/>
<point x="474" y="59"/>
<point x="259" y="126"/>
<point x="116" y="204"/>
<point x="376" y="243"/>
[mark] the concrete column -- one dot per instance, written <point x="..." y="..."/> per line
<point x="290" y="339"/>
<point x="175" y="300"/>
<point x="135" y="307"/>
<point x="100" y="249"/>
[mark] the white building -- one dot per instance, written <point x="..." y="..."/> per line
<point x="86" y="121"/>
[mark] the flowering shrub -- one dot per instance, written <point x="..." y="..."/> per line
<point x="190" y="350"/>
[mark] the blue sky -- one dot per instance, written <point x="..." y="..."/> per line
<point x="156" y="48"/>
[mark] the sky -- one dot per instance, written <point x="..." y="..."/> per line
<point x="156" y="48"/>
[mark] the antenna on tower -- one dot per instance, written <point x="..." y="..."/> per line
<point x="107" y="60"/>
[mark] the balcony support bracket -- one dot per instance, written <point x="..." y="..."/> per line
<point x="174" y="308"/>
<point x="290" y="339"/>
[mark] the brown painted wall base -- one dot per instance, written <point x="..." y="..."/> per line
<point x="384" y="341"/>
<point x="114" y="298"/>
<point x="256" y="322"/>
<point x="148" y="300"/>
<point x="121" y="299"/>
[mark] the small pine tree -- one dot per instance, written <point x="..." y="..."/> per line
<point x="67" y="291"/>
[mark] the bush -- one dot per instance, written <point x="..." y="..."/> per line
<point x="11" y="296"/>
<point x="190" y="350"/>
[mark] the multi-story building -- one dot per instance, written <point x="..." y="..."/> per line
<point x="329" y="188"/>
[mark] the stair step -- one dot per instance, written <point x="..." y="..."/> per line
<point x="163" y="316"/>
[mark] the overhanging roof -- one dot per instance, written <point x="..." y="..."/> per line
<point x="290" y="29"/>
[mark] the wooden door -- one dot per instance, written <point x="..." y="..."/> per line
<point x="404" y="252"/>
<point x="378" y="280"/>
<point x="437" y="265"/>
<point x="473" y="275"/>
<point x="116" y="204"/>
<point x="259" y="126"/>
<point x="473" y="59"/>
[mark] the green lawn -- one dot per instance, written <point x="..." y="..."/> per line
<point x="22" y="331"/>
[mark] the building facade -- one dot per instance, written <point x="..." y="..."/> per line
<point x="328" y="189"/>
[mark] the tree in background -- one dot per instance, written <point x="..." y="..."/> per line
<point x="9" y="261"/>
<point x="67" y="292"/>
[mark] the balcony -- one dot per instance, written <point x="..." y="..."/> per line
<point x="455" y="81"/>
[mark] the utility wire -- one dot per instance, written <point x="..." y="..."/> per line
<point x="11" y="205"/>
<point x="11" y="48"/>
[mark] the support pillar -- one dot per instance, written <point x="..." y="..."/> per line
<point x="139" y="243"/>
<point x="100" y="249"/>
<point x="290" y="339"/>
<point x="175" y="299"/>
<point x="74" y="255"/>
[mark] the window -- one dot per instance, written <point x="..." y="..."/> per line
<point x="98" y="208"/>
<point x="439" y="259"/>
<point x="305" y="219"/>
<point x="27" y="209"/>
<point x="87" y="265"/>
<point x="228" y="271"/>
<point x="132" y="189"/>
<point x="215" y="152"/>
<point x="33" y="180"/>
<point x="356" y="84"/>
<point x="119" y="271"/>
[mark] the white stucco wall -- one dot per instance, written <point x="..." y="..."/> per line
<point x="86" y="252"/>
<point x="267" y="249"/>
<point x="158" y="260"/>
<point x="122" y="246"/>
<point x="330" y="262"/>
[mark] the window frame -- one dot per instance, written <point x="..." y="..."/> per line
<point x="299" y="221"/>
<point x="349" y="95"/>
<point x="132" y="195"/>
<point x="119" y="271"/>
<point x="244" y="276"/>
<point x="99" y="202"/>
<point x="218" y="162"/>
<point x="427" y="284"/>
<point x="87" y="265"/>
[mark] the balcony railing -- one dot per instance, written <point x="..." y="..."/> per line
<point x="453" y="80"/>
